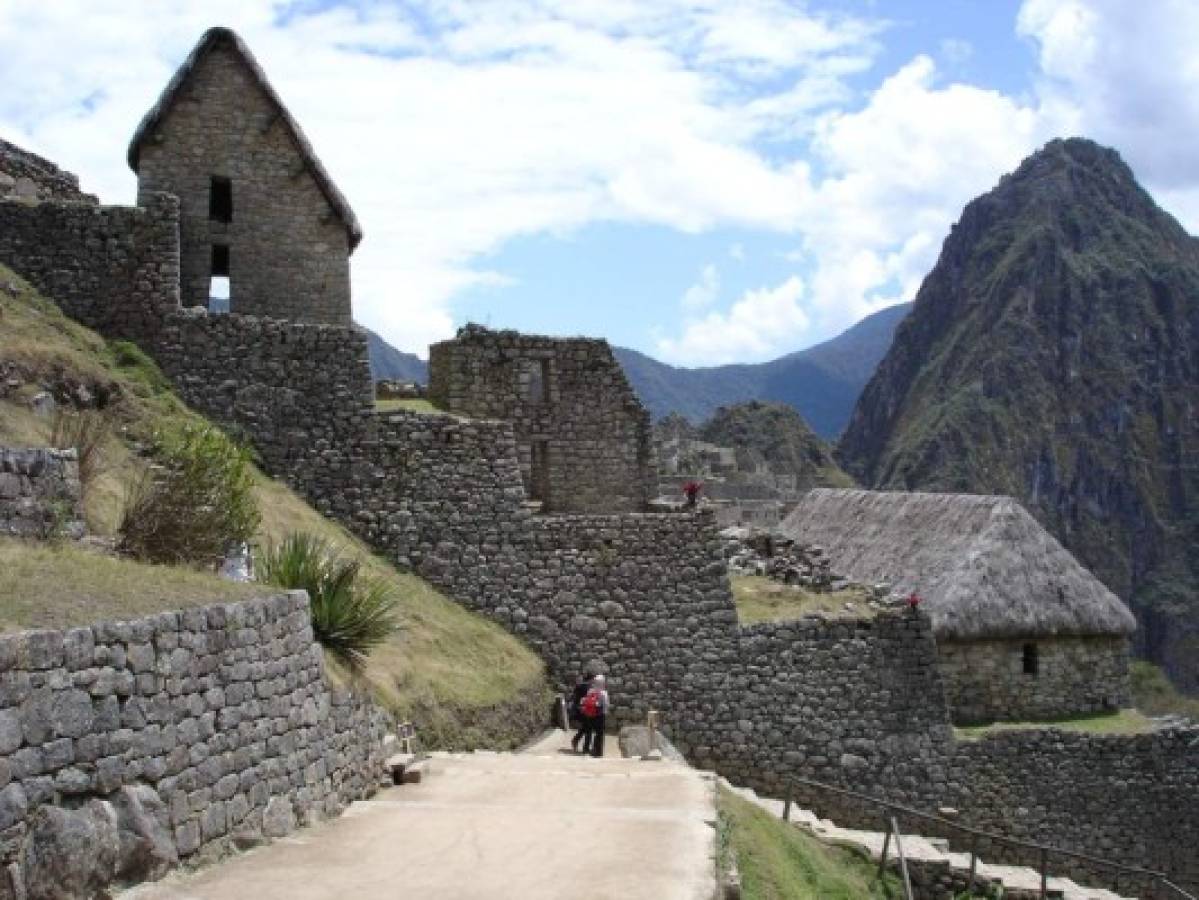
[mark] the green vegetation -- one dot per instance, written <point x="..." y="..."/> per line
<point x="86" y="432"/>
<point x="461" y="679"/>
<point x="1123" y="721"/>
<point x="195" y="503"/>
<point x="1154" y="695"/>
<point x="778" y="861"/>
<point x="415" y="404"/>
<point x="761" y="599"/>
<point x="64" y="586"/>
<point x="350" y="618"/>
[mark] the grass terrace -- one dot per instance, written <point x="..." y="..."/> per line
<point x="415" y="404"/>
<point x="1123" y="721"/>
<point x="761" y="599"/>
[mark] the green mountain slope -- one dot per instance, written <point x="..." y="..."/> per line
<point x="776" y="434"/>
<point x="1053" y="354"/>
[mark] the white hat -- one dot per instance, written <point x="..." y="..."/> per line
<point x="600" y="678"/>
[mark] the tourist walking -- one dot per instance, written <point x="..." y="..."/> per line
<point x="583" y="735"/>
<point x="597" y="699"/>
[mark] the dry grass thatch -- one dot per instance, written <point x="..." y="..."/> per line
<point x="225" y="37"/>
<point x="984" y="567"/>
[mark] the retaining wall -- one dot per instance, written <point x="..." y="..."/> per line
<point x="40" y="494"/>
<point x="113" y="268"/>
<point x="126" y="747"/>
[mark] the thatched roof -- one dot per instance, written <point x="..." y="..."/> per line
<point x="226" y="37"/>
<point x="983" y="566"/>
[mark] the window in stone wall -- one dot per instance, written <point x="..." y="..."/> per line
<point x="220" y="199"/>
<point x="1032" y="663"/>
<point x="219" y="286"/>
<point x="537" y="380"/>
<point x="539" y="470"/>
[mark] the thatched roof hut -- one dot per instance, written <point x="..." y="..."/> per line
<point x="984" y="567"/>
<point x="213" y="39"/>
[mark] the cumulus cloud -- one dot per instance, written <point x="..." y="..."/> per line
<point x="760" y="324"/>
<point x="703" y="293"/>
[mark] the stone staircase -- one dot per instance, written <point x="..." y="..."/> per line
<point x="944" y="870"/>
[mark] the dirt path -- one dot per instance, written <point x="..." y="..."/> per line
<point x="541" y="824"/>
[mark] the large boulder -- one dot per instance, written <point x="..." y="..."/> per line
<point x="147" y="850"/>
<point x="71" y="853"/>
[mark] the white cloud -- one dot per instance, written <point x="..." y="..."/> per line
<point x="457" y="127"/>
<point x="762" y="323"/>
<point x="737" y="251"/>
<point x="956" y="50"/>
<point x="703" y="293"/>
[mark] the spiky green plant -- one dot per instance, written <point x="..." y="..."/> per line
<point x="349" y="617"/>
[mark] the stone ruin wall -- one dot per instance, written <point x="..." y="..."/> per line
<point x="985" y="680"/>
<point x="27" y="176"/>
<point x="40" y="493"/>
<point x="647" y="594"/>
<point x="288" y="252"/>
<point x="584" y="439"/>
<point x="126" y="747"/>
<point x="113" y="268"/>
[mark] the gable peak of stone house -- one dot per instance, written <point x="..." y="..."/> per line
<point x="227" y="39"/>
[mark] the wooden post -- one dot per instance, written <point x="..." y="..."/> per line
<point x="973" y="861"/>
<point x="882" y="860"/>
<point x="1044" y="873"/>
<point x="903" y="863"/>
<point x="787" y="807"/>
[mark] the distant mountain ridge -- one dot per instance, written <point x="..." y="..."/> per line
<point x="822" y="382"/>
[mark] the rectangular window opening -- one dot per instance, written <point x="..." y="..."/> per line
<point x="220" y="199"/>
<point x="539" y="470"/>
<point x="219" y="286"/>
<point x="537" y="390"/>
<point x="1032" y="664"/>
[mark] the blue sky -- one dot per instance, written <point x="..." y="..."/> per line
<point x="705" y="181"/>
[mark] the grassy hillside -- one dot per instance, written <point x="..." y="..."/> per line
<point x="464" y="680"/>
<point x="778" y="861"/>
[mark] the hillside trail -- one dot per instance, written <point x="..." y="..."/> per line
<point x="543" y="823"/>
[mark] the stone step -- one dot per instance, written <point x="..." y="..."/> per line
<point x="1016" y="881"/>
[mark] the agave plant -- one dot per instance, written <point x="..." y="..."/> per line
<point x="349" y="617"/>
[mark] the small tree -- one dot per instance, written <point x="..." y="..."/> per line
<point x="350" y="617"/>
<point x="195" y="502"/>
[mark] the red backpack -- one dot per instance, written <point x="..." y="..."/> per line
<point x="590" y="707"/>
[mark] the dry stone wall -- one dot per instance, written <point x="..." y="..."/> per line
<point x="986" y="680"/>
<point x="126" y="747"/>
<point x="29" y="177"/>
<point x="583" y="438"/>
<point x="288" y="253"/>
<point x="113" y="268"/>
<point x="40" y="494"/>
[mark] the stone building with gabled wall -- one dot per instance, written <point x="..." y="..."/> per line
<point x="1023" y="630"/>
<point x="583" y="438"/>
<point x="256" y="206"/>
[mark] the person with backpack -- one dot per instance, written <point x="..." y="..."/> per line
<point x="594" y="707"/>
<point x="583" y="735"/>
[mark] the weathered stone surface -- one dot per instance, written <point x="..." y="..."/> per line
<point x="40" y="495"/>
<point x="147" y="849"/>
<point x="278" y="819"/>
<point x="70" y="853"/>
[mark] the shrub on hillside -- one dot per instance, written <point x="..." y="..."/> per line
<point x="350" y="617"/>
<point x="195" y="502"/>
<point x="85" y="431"/>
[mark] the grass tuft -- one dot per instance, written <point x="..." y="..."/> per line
<point x="761" y="599"/>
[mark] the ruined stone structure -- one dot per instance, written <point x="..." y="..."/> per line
<point x="27" y="176"/>
<point x="1024" y="631"/>
<point x="256" y="205"/>
<point x="40" y="494"/>
<point x="858" y="703"/>
<point x="583" y="437"/>
<point x="167" y="737"/>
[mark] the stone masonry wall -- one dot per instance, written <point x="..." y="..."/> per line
<point x="583" y="437"/>
<point x="40" y="494"/>
<point x="113" y="268"/>
<point x="27" y="176"/>
<point x="288" y="251"/>
<point x="128" y="746"/>
<point x="985" y="680"/>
